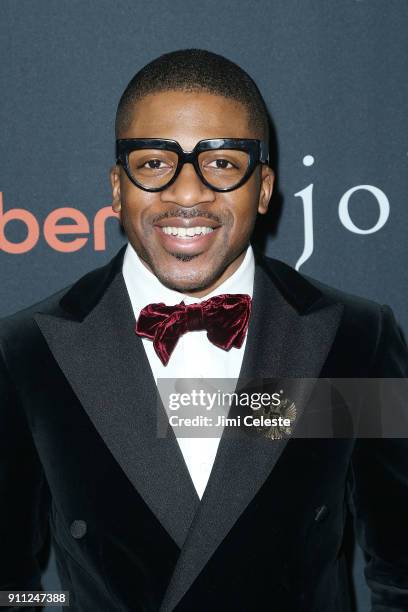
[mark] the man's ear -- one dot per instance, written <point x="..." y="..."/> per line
<point x="115" y="182"/>
<point x="265" y="194"/>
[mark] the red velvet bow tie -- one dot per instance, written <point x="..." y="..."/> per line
<point x="225" y="317"/>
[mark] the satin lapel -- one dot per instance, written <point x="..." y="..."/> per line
<point x="281" y="343"/>
<point x="106" y="365"/>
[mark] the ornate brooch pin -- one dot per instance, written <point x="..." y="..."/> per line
<point x="276" y="422"/>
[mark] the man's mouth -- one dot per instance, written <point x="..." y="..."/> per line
<point x="191" y="236"/>
<point x="186" y="232"/>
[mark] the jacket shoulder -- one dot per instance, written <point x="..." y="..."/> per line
<point x="362" y="321"/>
<point x="294" y="282"/>
<point x="22" y="324"/>
<point x="22" y="321"/>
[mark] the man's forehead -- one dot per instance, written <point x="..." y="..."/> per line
<point x="188" y="117"/>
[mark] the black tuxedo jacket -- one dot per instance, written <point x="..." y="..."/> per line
<point x="80" y="461"/>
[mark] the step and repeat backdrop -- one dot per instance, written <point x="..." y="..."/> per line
<point x="333" y="74"/>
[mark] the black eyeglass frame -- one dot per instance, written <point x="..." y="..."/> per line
<point x="257" y="150"/>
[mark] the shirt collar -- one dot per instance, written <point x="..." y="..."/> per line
<point x="145" y="288"/>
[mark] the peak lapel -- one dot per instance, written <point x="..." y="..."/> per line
<point x="106" y="365"/>
<point x="289" y="336"/>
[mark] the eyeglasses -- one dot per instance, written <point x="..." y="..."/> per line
<point x="223" y="164"/>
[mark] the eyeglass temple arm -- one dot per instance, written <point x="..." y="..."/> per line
<point x="264" y="152"/>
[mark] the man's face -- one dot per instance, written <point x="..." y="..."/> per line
<point x="195" y="265"/>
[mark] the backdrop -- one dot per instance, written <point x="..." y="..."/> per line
<point x="334" y="76"/>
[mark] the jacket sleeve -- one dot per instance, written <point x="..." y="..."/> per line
<point x="378" y="496"/>
<point x="23" y="495"/>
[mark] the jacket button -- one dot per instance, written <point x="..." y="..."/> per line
<point x="320" y="513"/>
<point x="78" y="529"/>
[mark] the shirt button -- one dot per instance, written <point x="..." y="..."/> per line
<point x="78" y="529"/>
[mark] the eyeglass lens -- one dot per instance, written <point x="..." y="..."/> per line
<point x="221" y="168"/>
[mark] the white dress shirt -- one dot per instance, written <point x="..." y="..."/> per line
<point x="194" y="355"/>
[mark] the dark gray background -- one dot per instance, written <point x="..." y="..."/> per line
<point x="333" y="73"/>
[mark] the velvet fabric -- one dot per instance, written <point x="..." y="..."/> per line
<point x="82" y="466"/>
<point x="225" y="317"/>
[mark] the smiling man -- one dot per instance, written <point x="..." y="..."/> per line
<point x="140" y="521"/>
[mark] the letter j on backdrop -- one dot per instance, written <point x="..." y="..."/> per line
<point x="306" y="196"/>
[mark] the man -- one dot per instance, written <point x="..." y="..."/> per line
<point x="143" y="522"/>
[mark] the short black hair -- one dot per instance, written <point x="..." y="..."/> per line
<point x="192" y="70"/>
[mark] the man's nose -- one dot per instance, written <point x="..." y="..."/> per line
<point x="188" y="189"/>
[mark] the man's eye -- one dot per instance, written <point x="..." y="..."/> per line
<point x="221" y="164"/>
<point x="154" y="164"/>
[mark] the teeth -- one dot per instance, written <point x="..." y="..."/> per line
<point x="186" y="232"/>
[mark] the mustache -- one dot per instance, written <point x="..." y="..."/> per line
<point x="186" y="214"/>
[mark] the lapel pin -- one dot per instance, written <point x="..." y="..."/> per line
<point x="276" y="421"/>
